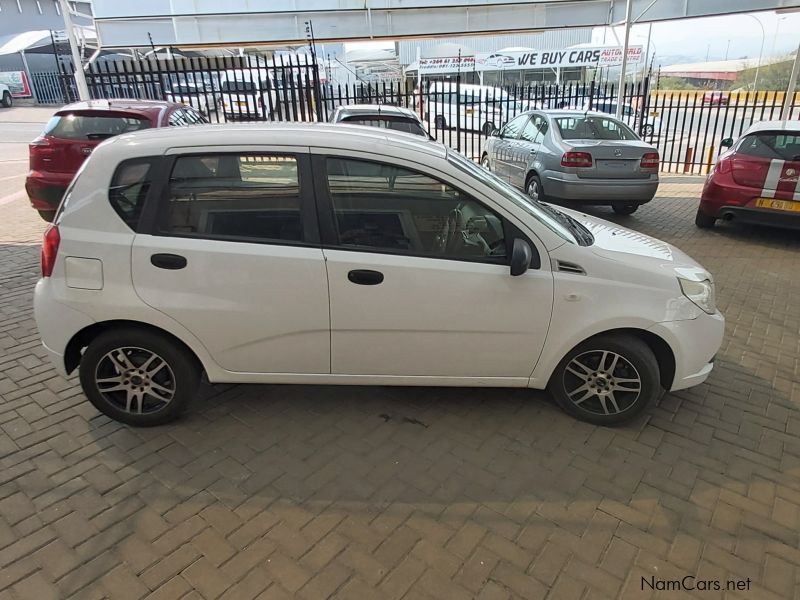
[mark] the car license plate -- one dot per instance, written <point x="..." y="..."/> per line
<point x="778" y="204"/>
<point x="617" y="165"/>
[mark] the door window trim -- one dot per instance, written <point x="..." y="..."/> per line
<point x="327" y="222"/>
<point x="159" y="198"/>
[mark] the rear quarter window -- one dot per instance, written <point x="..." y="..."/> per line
<point x="129" y="188"/>
<point x="92" y="127"/>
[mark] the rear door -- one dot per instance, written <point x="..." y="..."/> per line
<point x="504" y="146"/>
<point x="233" y="255"/>
<point x="72" y="135"/>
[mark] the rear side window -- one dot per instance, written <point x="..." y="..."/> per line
<point x="778" y="146"/>
<point x="236" y="197"/>
<point x="129" y="188"/>
<point x="92" y="127"/>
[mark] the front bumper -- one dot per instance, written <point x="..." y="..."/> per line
<point x="694" y="343"/>
<point x="599" y="191"/>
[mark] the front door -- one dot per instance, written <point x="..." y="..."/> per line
<point x="505" y="144"/>
<point x="419" y="277"/>
<point x="234" y="257"/>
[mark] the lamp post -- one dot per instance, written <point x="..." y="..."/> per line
<point x="761" y="51"/>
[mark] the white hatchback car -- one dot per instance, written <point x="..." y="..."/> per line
<point x="294" y="253"/>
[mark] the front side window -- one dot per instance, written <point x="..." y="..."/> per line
<point x="393" y="209"/>
<point x="514" y="127"/>
<point x="237" y="197"/>
<point x="129" y="188"/>
<point x="593" y="128"/>
<point x="534" y="129"/>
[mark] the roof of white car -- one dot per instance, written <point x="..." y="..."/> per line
<point x="156" y="141"/>
<point x="774" y="126"/>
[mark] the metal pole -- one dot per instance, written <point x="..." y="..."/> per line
<point x="760" y="52"/>
<point x="647" y="51"/>
<point x="621" y="88"/>
<point x="80" y="76"/>
<point x="787" y="101"/>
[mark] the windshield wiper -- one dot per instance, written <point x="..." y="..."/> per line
<point x="575" y="227"/>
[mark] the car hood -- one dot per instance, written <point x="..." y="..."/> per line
<point x="634" y="249"/>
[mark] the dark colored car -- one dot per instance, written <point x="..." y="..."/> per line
<point x="72" y="133"/>
<point x="715" y="98"/>
<point x="756" y="180"/>
<point x="381" y="115"/>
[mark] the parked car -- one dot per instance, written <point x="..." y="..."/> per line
<point x="196" y="96"/>
<point x="756" y="179"/>
<point x="5" y="96"/>
<point x="292" y="253"/>
<point x="381" y="115"/>
<point x="74" y="131"/>
<point x="248" y="94"/>
<point x="574" y="156"/>
<point x="718" y="98"/>
<point x="630" y="116"/>
<point x="471" y="107"/>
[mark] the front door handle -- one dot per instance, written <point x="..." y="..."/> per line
<point x="365" y="277"/>
<point x="173" y="262"/>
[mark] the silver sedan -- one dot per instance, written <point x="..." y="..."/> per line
<point x="574" y="156"/>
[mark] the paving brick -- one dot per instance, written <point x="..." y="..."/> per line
<point x="282" y="492"/>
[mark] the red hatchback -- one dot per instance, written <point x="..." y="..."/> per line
<point x="757" y="179"/>
<point x="73" y="132"/>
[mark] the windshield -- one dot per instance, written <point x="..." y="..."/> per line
<point x="772" y="145"/>
<point x="588" y="127"/>
<point x="537" y="210"/>
<point x="403" y="124"/>
<point x="92" y="127"/>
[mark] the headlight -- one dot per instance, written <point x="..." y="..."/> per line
<point x="700" y="292"/>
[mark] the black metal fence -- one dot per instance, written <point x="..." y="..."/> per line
<point x="686" y="130"/>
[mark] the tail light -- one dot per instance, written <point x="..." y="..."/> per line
<point x="40" y="152"/>
<point x="649" y="160"/>
<point x="50" y="243"/>
<point x="723" y="166"/>
<point x="576" y="159"/>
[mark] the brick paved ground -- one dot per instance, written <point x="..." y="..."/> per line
<point x="311" y="492"/>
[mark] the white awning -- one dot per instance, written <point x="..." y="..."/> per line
<point x="29" y="40"/>
<point x="18" y="42"/>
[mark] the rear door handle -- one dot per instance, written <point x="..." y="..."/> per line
<point x="173" y="262"/>
<point x="365" y="277"/>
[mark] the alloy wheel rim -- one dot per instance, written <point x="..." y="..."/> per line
<point x="533" y="189"/>
<point x="602" y="382"/>
<point x="135" y="380"/>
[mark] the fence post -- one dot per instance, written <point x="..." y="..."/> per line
<point x="645" y="100"/>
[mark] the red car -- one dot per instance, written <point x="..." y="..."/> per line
<point x="756" y="180"/>
<point x="72" y="133"/>
<point x="715" y="98"/>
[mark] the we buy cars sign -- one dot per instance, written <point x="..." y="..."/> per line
<point x="554" y="59"/>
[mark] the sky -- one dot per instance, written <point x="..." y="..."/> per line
<point x="692" y="40"/>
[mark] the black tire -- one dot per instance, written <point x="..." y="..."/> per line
<point x="181" y="373"/>
<point x="624" y="208"/>
<point x="439" y="122"/>
<point x="7" y="102"/>
<point x="487" y="128"/>
<point x="532" y="182"/>
<point x="704" y="221"/>
<point x="636" y="361"/>
<point x="47" y="215"/>
<point x="485" y="162"/>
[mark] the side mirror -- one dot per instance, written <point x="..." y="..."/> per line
<point x="726" y="143"/>
<point x="521" y="255"/>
